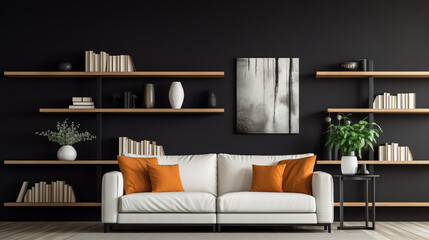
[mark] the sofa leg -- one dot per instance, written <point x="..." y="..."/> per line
<point x="329" y="228"/>
<point x="214" y="227"/>
<point x="325" y="227"/>
<point x="219" y="228"/>
<point x="107" y="227"/>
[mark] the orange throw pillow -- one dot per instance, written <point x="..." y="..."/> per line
<point x="136" y="173"/>
<point x="165" y="178"/>
<point x="297" y="174"/>
<point x="267" y="178"/>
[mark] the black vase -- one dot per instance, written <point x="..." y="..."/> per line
<point x="64" y="65"/>
<point x="211" y="100"/>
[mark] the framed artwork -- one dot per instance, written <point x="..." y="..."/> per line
<point x="268" y="95"/>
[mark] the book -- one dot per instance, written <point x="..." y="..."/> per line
<point x="409" y="155"/>
<point x="36" y="192"/>
<point x="407" y="106"/>
<point x="60" y="187"/>
<point x="76" y="99"/>
<point x="86" y="99"/>
<point x="122" y="63"/>
<point x="83" y="103"/>
<point x="412" y="100"/>
<point x="388" y="152"/>
<point x="27" y="195"/>
<point x="33" y="194"/>
<point x="386" y="100"/>
<point x="47" y="193"/>
<point x="54" y="191"/>
<point x="22" y="192"/>
<point x="74" y="195"/>
<point x="42" y="192"/>
<point x="376" y="103"/>
<point x="81" y="107"/>
<point x="65" y="193"/>
<point x="87" y="60"/>
<point x="395" y="151"/>
<point x="381" y="153"/>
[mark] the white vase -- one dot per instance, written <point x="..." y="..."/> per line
<point x="67" y="152"/>
<point x="176" y="95"/>
<point x="349" y="164"/>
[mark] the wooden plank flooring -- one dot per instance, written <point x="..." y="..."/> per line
<point x="65" y="230"/>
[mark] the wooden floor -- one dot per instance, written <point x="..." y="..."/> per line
<point x="65" y="230"/>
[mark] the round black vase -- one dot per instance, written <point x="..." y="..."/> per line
<point x="64" y="65"/>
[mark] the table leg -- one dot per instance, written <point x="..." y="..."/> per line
<point x="373" y="203"/>
<point x="366" y="203"/>
<point x="341" y="204"/>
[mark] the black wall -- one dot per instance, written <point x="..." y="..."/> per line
<point x="206" y="35"/>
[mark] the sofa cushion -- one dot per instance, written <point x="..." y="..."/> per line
<point x="197" y="172"/>
<point x="266" y="202"/>
<point x="168" y="202"/>
<point x="165" y="178"/>
<point x="235" y="171"/>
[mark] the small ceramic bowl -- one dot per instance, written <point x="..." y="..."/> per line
<point x="349" y="66"/>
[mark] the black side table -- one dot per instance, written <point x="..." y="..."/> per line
<point x="367" y="179"/>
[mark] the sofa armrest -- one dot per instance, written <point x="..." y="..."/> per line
<point x="112" y="189"/>
<point x="323" y="192"/>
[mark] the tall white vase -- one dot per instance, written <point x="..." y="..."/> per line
<point x="349" y="164"/>
<point x="176" y="95"/>
<point x="67" y="152"/>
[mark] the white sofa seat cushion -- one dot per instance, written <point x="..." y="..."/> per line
<point x="266" y="202"/>
<point x="168" y="202"/>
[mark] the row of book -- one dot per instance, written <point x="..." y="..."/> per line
<point x="43" y="192"/>
<point x="82" y="103"/>
<point x="144" y="147"/>
<point x="401" y="101"/>
<point x="104" y="62"/>
<point x="394" y="152"/>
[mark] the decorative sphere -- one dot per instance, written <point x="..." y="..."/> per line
<point x="339" y="117"/>
<point x="64" y="65"/>
<point x="328" y="119"/>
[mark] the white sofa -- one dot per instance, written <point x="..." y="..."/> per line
<point x="217" y="194"/>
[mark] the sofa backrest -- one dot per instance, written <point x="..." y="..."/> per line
<point x="235" y="171"/>
<point x="197" y="172"/>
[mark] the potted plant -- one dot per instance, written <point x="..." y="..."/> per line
<point x="349" y="138"/>
<point x="67" y="135"/>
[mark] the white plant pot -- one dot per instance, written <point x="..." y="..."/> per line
<point x="67" y="152"/>
<point x="176" y="95"/>
<point x="349" y="165"/>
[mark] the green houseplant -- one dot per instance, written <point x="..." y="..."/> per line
<point x="349" y="138"/>
<point x="67" y="135"/>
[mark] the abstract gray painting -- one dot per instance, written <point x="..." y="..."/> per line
<point x="268" y="95"/>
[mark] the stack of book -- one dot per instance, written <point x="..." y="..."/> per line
<point x="104" y="62"/>
<point x="82" y="103"/>
<point x="394" y="152"/>
<point x="42" y="192"/>
<point x="401" y="101"/>
<point x="145" y="147"/>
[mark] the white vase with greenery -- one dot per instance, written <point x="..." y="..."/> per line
<point x="349" y="138"/>
<point x="67" y="135"/>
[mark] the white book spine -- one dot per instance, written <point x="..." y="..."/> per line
<point x="375" y="104"/>
<point x="412" y="100"/>
<point x="120" y="141"/>
<point x="27" y="195"/>
<point x="33" y="194"/>
<point x="381" y="153"/>
<point x="22" y="191"/>
<point x="395" y="151"/>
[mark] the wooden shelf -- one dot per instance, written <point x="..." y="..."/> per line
<point x="145" y="74"/>
<point x="385" y="204"/>
<point x="376" y="162"/>
<point x="60" y="162"/>
<point x="379" y="111"/>
<point x="77" y="204"/>
<point x="375" y="74"/>
<point x="136" y="110"/>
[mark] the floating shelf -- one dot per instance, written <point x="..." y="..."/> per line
<point x="384" y="204"/>
<point x="379" y="111"/>
<point x="375" y="74"/>
<point x="60" y="162"/>
<point x="77" y="204"/>
<point x="136" y="110"/>
<point x="376" y="162"/>
<point x="145" y="74"/>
